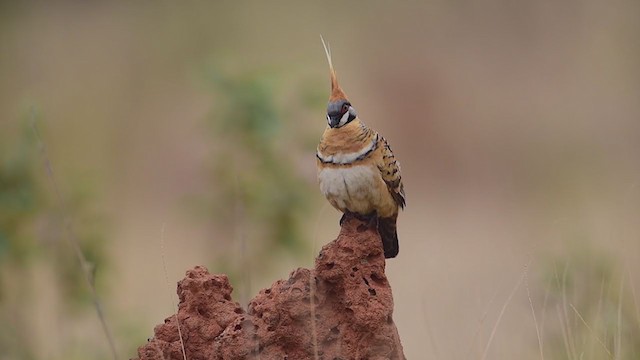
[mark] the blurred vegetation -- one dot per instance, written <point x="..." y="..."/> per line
<point x="510" y="116"/>
<point x="259" y="199"/>
<point x="21" y="202"/>
<point x="594" y="307"/>
<point x="33" y="236"/>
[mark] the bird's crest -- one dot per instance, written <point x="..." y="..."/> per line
<point x="336" y="90"/>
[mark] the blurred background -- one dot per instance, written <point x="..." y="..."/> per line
<point x="183" y="134"/>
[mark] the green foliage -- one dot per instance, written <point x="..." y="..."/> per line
<point x="258" y="191"/>
<point x="88" y="227"/>
<point x="20" y="200"/>
<point x="20" y="204"/>
<point x="34" y="234"/>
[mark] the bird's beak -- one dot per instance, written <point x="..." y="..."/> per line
<point x="333" y="120"/>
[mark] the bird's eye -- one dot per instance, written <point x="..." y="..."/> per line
<point x="345" y="107"/>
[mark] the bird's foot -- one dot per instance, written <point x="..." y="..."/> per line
<point x="344" y="217"/>
<point x="371" y="219"/>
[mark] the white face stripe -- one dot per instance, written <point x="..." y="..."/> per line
<point x="344" y="118"/>
<point x="348" y="158"/>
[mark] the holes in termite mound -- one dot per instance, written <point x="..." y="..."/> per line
<point x="353" y="271"/>
<point x="332" y="336"/>
<point x="371" y="257"/>
<point x="378" y="279"/>
<point x="296" y="291"/>
<point x="202" y="312"/>
<point x="371" y="290"/>
<point x="349" y="311"/>
<point x="244" y="324"/>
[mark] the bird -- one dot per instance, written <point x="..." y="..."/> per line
<point x="357" y="171"/>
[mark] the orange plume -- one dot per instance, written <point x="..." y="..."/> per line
<point x="336" y="90"/>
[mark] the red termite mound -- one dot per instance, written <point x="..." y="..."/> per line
<point x="350" y="316"/>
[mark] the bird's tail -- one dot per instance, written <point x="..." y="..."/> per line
<point x="389" y="235"/>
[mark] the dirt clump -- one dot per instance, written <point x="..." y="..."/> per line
<point x="350" y="316"/>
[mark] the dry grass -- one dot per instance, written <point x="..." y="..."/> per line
<point x="502" y="310"/>
<point x="169" y="289"/>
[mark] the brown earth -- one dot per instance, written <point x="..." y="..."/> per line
<point x="353" y="308"/>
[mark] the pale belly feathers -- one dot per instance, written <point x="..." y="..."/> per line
<point x="355" y="189"/>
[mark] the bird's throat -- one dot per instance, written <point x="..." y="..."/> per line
<point x="347" y="143"/>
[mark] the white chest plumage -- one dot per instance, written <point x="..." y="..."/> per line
<point x="348" y="158"/>
<point x="351" y="188"/>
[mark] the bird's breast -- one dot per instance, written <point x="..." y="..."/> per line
<point x="355" y="188"/>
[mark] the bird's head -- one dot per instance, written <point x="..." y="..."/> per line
<point x="339" y="109"/>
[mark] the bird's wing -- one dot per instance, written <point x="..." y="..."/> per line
<point x="390" y="171"/>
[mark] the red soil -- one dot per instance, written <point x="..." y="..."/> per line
<point x="352" y="309"/>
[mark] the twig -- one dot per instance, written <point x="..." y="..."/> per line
<point x="481" y="322"/>
<point x="533" y="312"/>
<point x="564" y="332"/>
<point x="312" y="305"/>
<point x="431" y="337"/>
<point x="312" y="289"/>
<point x="633" y="295"/>
<point x="619" y="334"/>
<point x="591" y="331"/>
<point x="166" y="279"/>
<point x="504" y="307"/>
<point x="71" y="237"/>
